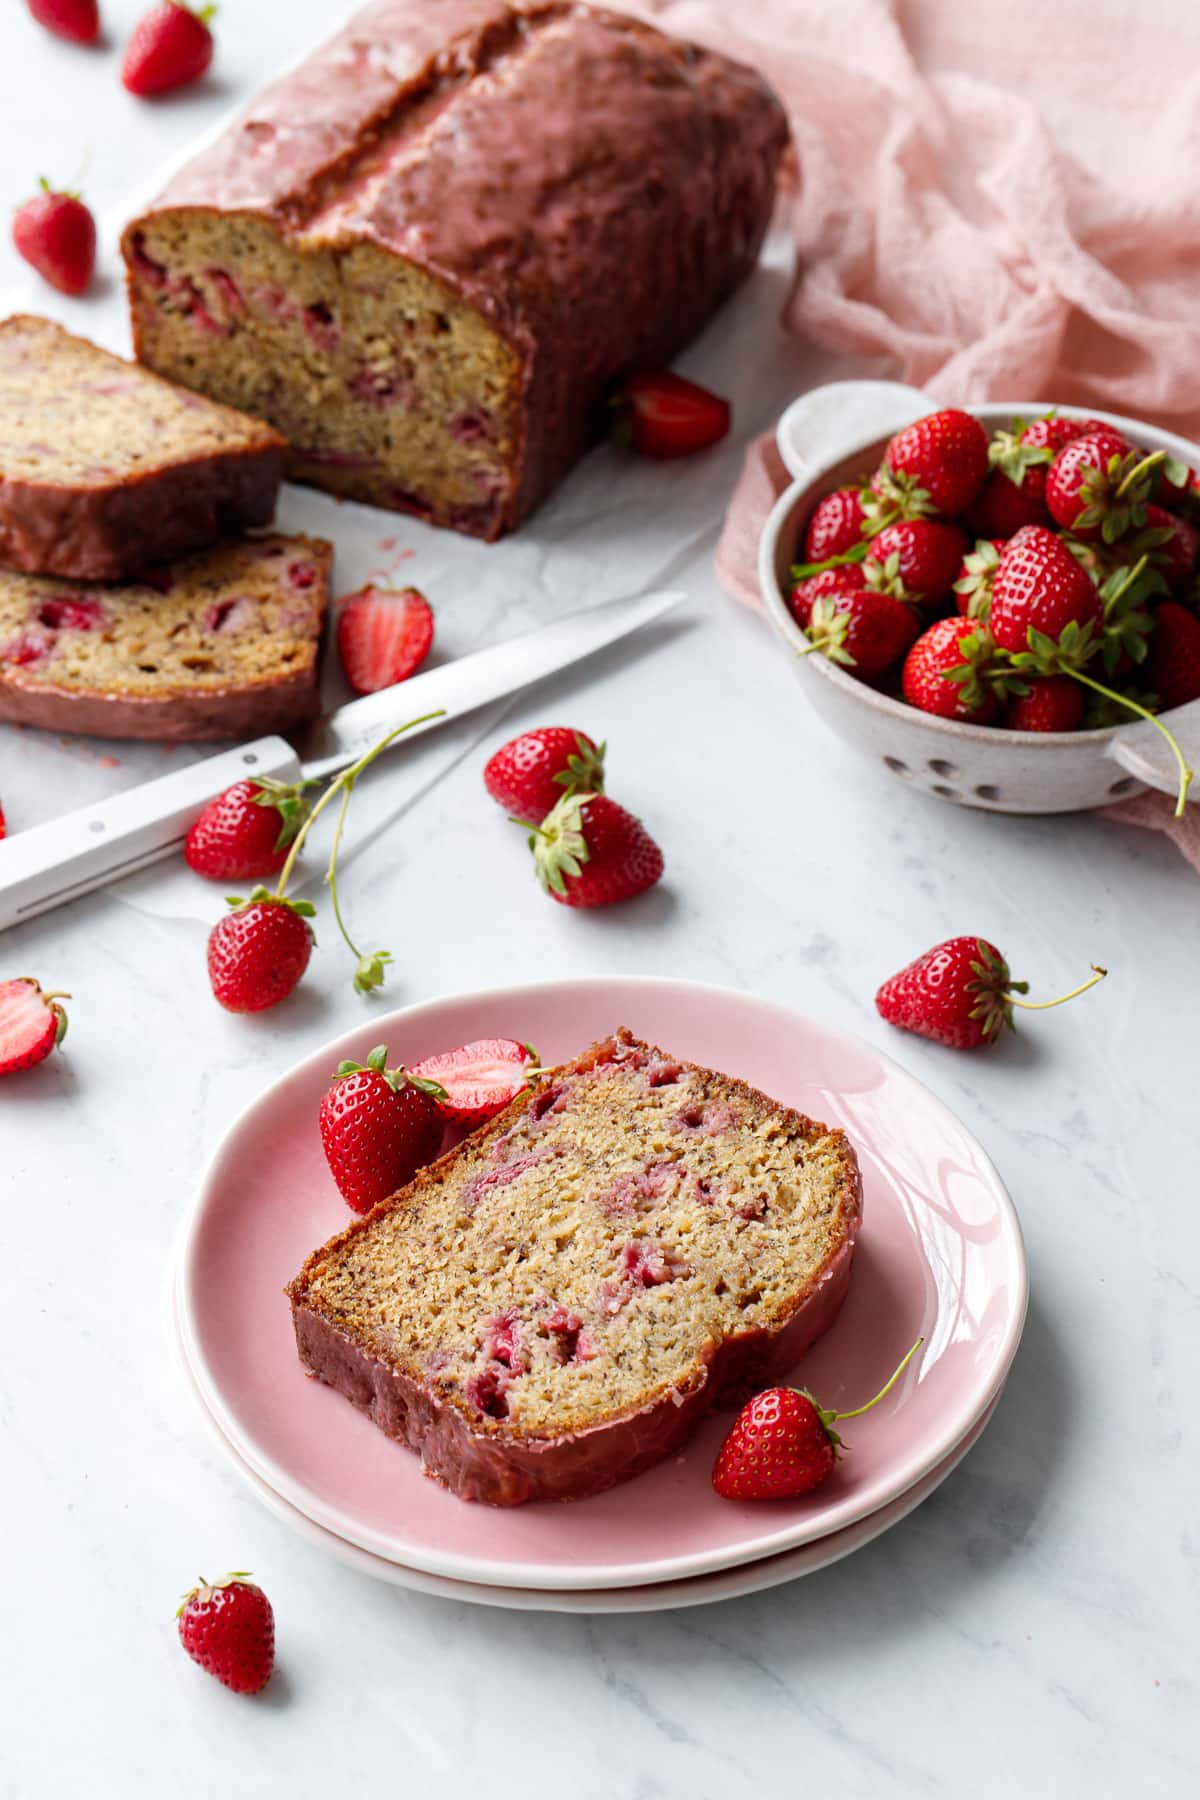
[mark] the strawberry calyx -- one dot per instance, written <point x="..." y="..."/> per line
<point x="262" y="896"/>
<point x="1012" y="457"/>
<point x="855" y="554"/>
<point x="1116" y="496"/>
<point x="975" y="584"/>
<point x="584" y="772"/>
<point x="984" y="672"/>
<point x="1126" y="626"/>
<point x="826" y="631"/>
<point x="894" y="496"/>
<point x="396" y="1078"/>
<point x="204" y="1589"/>
<point x="884" y="577"/>
<point x="996" y="994"/>
<point x="558" y="844"/>
<point x="286" y="798"/>
<point x="827" y="1416"/>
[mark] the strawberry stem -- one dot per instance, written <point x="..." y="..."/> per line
<point x="856" y="554"/>
<point x="1096" y="975"/>
<point x="1148" y="462"/>
<point x="1185" y="773"/>
<point x="887" y="1387"/>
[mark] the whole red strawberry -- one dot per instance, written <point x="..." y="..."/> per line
<point x="1053" y="703"/>
<point x="973" y="589"/>
<point x="228" y="1628"/>
<point x="1004" y="505"/>
<point x="529" y="775"/>
<point x="245" y="832"/>
<point x="383" y="636"/>
<point x="916" y="560"/>
<point x="947" y="672"/>
<point x="170" y="47"/>
<point x="258" y="952"/>
<point x="663" y="415"/>
<point x="1098" y="485"/>
<point x="946" y="455"/>
<point x="1172" y="668"/>
<point x="1051" y="432"/>
<point x="378" y="1127"/>
<point x="1040" y="587"/>
<point x="1173" y="544"/>
<point x="783" y="1444"/>
<point x="32" y="1024"/>
<point x="76" y="20"/>
<point x="835" y="525"/>
<point x="590" y="852"/>
<point x="960" y="994"/>
<point x="862" y="630"/>
<point x="812" y="588"/>
<point x="478" y="1080"/>
<point x="56" y="234"/>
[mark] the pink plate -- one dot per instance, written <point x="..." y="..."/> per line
<point x="940" y="1255"/>
<point x="655" y="1596"/>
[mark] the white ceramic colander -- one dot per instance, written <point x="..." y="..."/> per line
<point x="832" y="437"/>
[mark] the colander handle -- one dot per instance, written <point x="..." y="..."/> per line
<point x="1144" y="753"/>
<point x="828" y="422"/>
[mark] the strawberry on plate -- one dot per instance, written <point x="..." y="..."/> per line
<point x="171" y="47"/>
<point x="32" y="1024"/>
<point x="245" y="832"/>
<point x="383" y="636"/>
<point x="961" y="994"/>
<point x="529" y="775"/>
<point x="663" y="415"/>
<point x="782" y="1444"/>
<point x="228" y="1627"/>
<point x="916" y="560"/>
<point x="56" y="235"/>
<point x="944" y="455"/>
<point x="948" y="672"/>
<point x="76" y="20"/>
<point x="258" y="951"/>
<point x="862" y="630"/>
<point x="591" y="852"/>
<point x="479" y="1079"/>
<point x="378" y="1127"/>
<point x="836" y="525"/>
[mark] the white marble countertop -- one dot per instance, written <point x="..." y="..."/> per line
<point x="1029" y="1631"/>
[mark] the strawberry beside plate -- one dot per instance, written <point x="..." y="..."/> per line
<point x="940" y="1255"/>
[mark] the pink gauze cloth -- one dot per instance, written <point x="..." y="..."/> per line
<point x="1000" y="197"/>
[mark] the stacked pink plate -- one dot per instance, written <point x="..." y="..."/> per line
<point x="940" y="1256"/>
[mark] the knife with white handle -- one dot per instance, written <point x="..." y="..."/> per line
<point x="53" y="863"/>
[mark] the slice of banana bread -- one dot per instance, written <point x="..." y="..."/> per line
<point x="551" y="1308"/>
<point x="221" y="644"/>
<point x="106" y="470"/>
<point x="427" y="252"/>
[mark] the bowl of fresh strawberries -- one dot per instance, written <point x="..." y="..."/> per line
<point x="1001" y="606"/>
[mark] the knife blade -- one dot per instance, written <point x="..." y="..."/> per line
<point x="56" y="862"/>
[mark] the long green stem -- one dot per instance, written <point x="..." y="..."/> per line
<point x="1096" y="975"/>
<point x="331" y="877"/>
<point x="886" y="1388"/>
<point x="345" y="780"/>
<point x="1185" y="774"/>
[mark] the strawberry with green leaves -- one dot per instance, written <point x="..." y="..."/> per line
<point x="590" y="852"/>
<point x="973" y="588"/>
<point x="529" y="774"/>
<point x="378" y="1127"/>
<point x="952" y="671"/>
<point x="961" y="994"/>
<point x="1099" y="486"/>
<point x="915" y="560"/>
<point x="783" y="1444"/>
<point x="812" y="588"/>
<point x="938" y="464"/>
<point x="245" y="832"/>
<point x="861" y="629"/>
<point x="836" y="525"/>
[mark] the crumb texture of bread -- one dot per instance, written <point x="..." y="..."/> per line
<point x="426" y="253"/>
<point x="223" y="643"/>
<point x="107" y="470"/>
<point x="551" y="1307"/>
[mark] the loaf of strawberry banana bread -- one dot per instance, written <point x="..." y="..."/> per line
<point x="425" y="254"/>
<point x="105" y="470"/>
<point x="220" y="644"/>
<point x="553" y="1306"/>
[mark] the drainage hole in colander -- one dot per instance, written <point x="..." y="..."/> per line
<point x="938" y="767"/>
<point x="944" y="793"/>
<point x="896" y="766"/>
<point x="1125" y="786"/>
<point x="987" y="793"/>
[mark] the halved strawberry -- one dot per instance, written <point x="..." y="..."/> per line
<point x="662" y="414"/>
<point x="479" y="1079"/>
<point x="383" y="636"/>
<point x="31" y="1024"/>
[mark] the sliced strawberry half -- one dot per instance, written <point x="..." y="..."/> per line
<point x="663" y="414"/>
<point x="479" y="1079"/>
<point x="31" y="1024"/>
<point x="383" y="636"/>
